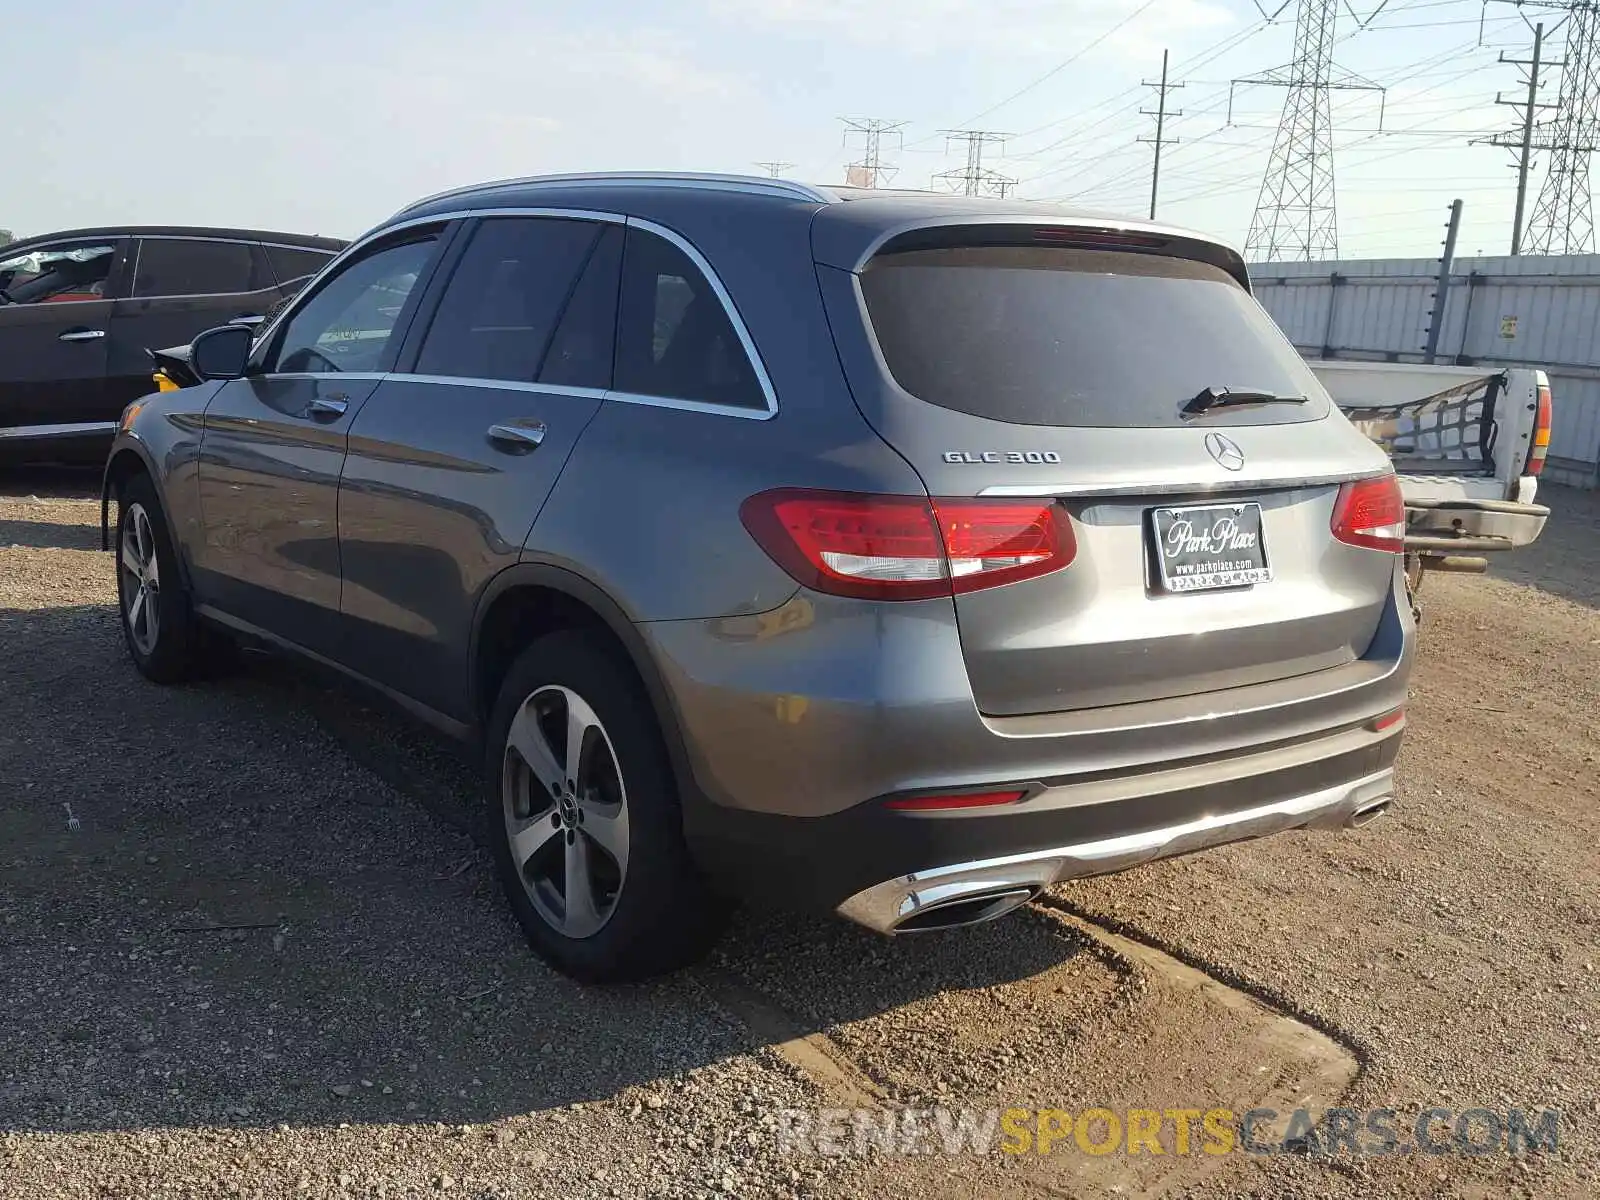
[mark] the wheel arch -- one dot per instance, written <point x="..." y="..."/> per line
<point x="529" y="599"/>
<point x="129" y="456"/>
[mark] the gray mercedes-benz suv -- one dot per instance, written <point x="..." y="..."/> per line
<point x="885" y="553"/>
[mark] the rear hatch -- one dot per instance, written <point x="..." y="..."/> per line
<point x="1022" y="361"/>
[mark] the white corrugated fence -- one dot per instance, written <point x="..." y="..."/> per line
<point x="1526" y="311"/>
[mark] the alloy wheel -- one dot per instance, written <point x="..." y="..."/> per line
<point x="566" y="811"/>
<point x="141" y="579"/>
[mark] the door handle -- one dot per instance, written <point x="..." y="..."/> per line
<point x="250" y="319"/>
<point x="81" y="335"/>
<point x="517" y="439"/>
<point x="326" y="408"/>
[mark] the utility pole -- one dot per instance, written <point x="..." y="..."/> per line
<point x="1562" y="221"/>
<point x="775" y="169"/>
<point x="1441" y="291"/>
<point x="1520" y="143"/>
<point x="869" y="170"/>
<point x="1160" y="140"/>
<point x="975" y="179"/>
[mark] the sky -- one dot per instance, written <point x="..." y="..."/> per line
<point x="319" y="117"/>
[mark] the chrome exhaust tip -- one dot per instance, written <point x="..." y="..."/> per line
<point x="967" y="910"/>
<point x="1369" y="812"/>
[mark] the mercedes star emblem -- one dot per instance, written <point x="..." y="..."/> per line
<point x="1226" y="451"/>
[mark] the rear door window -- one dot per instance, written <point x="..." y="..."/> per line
<point x="500" y="308"/>
<point x="1045" y="335"/>
<point x="193" y="267"/>
<point x="580" y="353"/>
<point x="674" y="337"/>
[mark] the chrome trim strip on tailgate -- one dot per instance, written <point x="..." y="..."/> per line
<point x="1171" y="487"/>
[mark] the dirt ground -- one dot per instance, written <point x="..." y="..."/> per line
<point x="248" y="948"/>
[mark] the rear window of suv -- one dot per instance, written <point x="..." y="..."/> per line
<point x="1046" y="335"/>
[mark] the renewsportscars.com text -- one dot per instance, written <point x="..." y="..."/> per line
<point x="837" y="1132"/>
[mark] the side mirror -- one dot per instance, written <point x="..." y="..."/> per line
<point x="221" y="353"/>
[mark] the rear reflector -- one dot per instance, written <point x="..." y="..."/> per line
<point x="1388" y="721"/>
<point x="1371" y="513"/>
<point x="907" y="547"/>
<point x="1541" y="432"/>
<point x="969" y="800"/>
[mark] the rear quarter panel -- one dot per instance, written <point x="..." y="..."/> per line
<point x="648" y="505"/>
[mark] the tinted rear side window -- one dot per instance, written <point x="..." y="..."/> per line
<point x="187" y="267"/>
<point x="1058" y="336"/>
<point x="580" y="353"/>
<point x="289" y="263"/>
<point x="500" y="308"/>
<point x="674" y="338"/>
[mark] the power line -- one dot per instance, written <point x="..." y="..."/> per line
<point x="775" y="168"/>
<point x="1059" y="67"/>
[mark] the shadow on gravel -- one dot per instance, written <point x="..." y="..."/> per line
<point x="51" y="482"/>
<point x="1565" y="561"/>
<point x="213" y="913"/>
<point x="43" y="535"/>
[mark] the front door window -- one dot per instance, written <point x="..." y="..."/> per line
<point x="57" y="275"/>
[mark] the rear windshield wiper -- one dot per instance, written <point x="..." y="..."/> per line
<point x="1213" y="397"/>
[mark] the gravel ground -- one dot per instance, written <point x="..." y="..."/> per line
<point x="262" y="956"/>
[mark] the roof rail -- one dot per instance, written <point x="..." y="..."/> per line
<point x="752" y="184"/>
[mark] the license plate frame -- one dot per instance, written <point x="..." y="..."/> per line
<point x="1212" y="557"/>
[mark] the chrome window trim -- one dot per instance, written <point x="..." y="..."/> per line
<point x="232" y="241"/>
<point x="138" y="258"/>
<point x="321" y="375"/>
<point x="698" y="406"/>
<point x="769" y="395"/>
<point x="581" y="393"/>
<point x="760" y="368"/>
<point x="22" y="433"/>
<point x="513" y="385"/>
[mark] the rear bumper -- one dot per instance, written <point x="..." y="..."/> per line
<point x="966" y="892"/>
<point x="1463" y="526"/>
<point x="883" y="867"/>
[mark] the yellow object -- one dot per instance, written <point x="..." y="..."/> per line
<point x="164" y="382"/>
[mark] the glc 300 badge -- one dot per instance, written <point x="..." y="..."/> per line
<point x="1001" y="456"/>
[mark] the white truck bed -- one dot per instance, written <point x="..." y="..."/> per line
<point x="1461" y="439"/>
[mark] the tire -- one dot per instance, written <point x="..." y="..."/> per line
<point x="641" y="908"/>
<point x="164" y="638"/>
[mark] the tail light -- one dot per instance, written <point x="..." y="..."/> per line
<point x="1371" y="513"/>
<point x="907" y="547"/>
<point x="1541" y="432"/>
